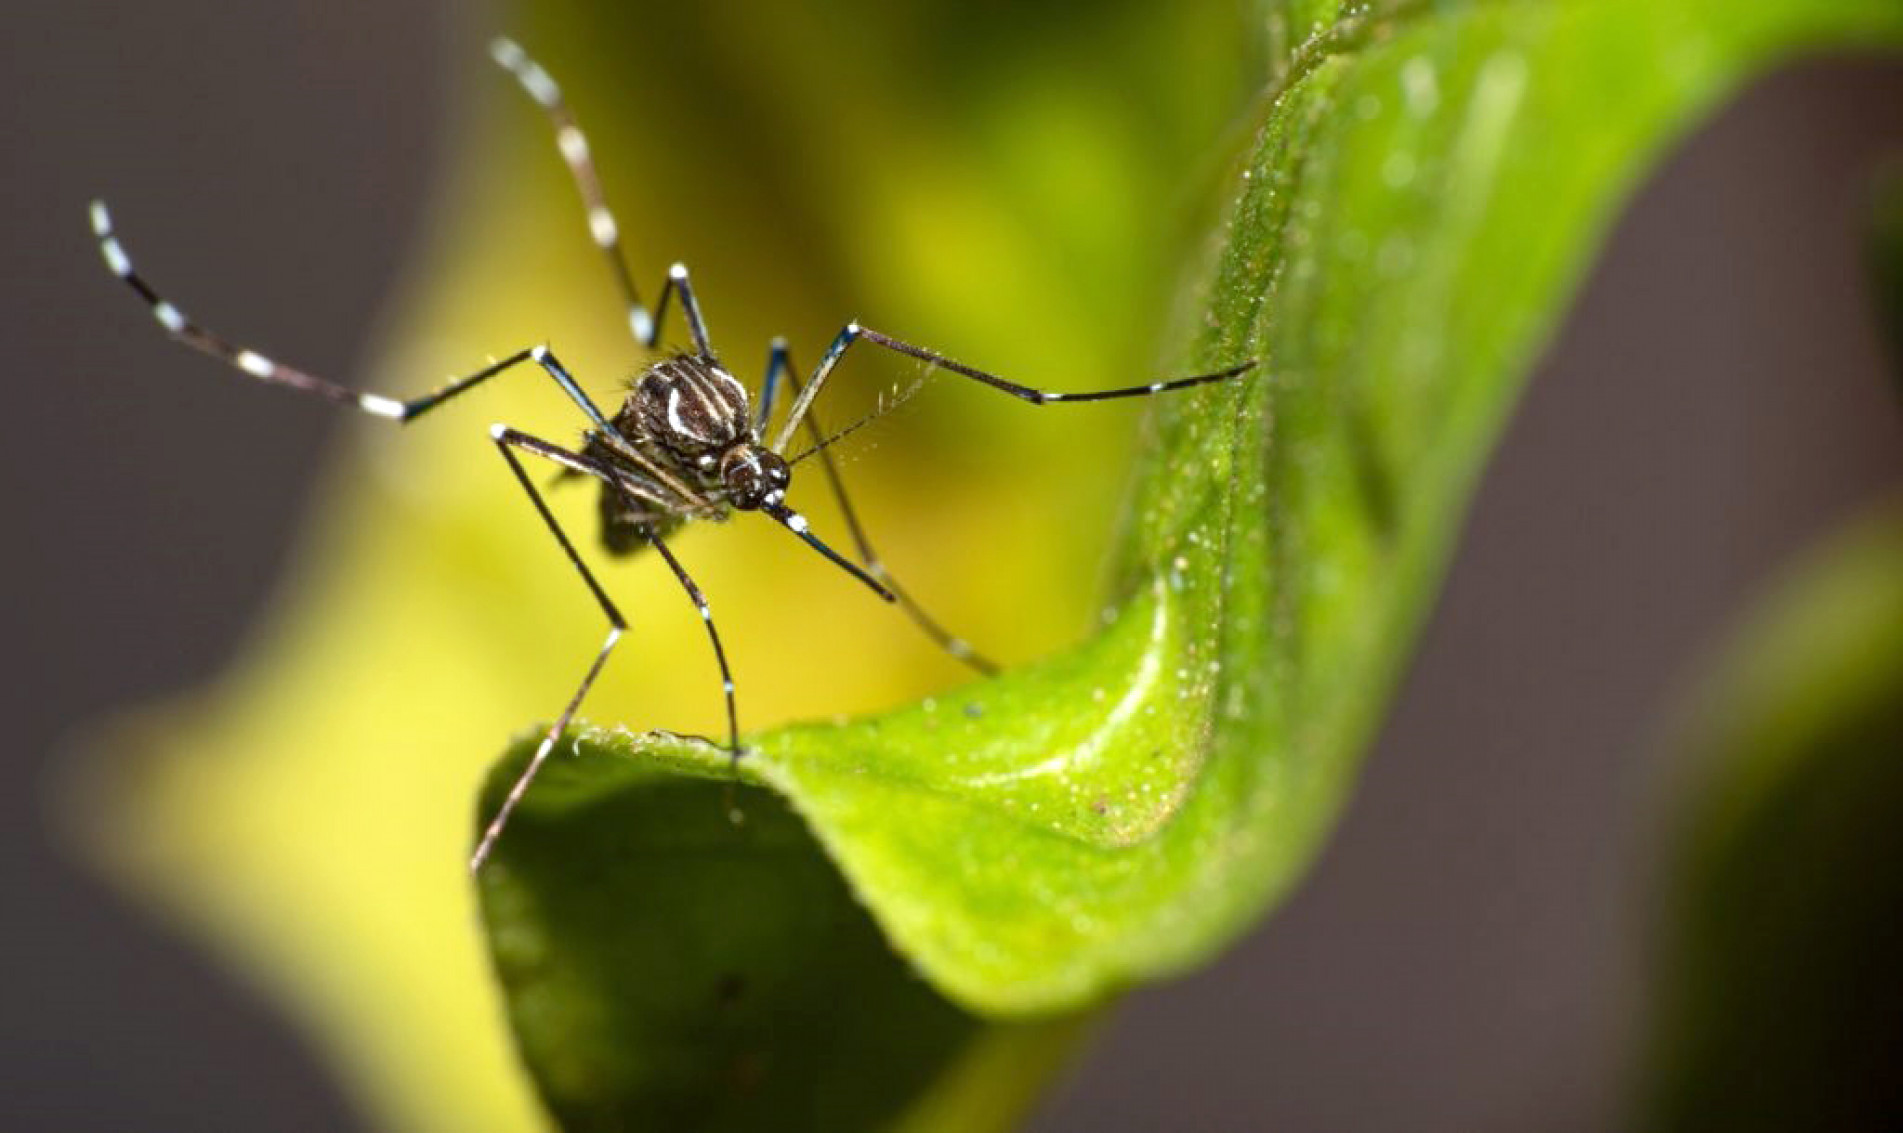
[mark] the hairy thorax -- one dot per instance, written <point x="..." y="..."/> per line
<point x="687" y="416"/>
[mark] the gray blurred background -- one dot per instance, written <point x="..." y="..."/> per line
<point x="1470" y="952"/>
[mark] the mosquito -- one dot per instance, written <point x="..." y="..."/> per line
<point x="687" y="442"/>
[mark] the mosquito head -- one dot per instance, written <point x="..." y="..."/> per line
<point x="755" y="477"/>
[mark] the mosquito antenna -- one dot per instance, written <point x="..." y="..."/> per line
<point x="796" y="523"/>
<point x="884" y="407"/>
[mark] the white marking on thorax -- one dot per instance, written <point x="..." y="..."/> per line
<point x="674" y="410"/>
<point x="736" y="393"/>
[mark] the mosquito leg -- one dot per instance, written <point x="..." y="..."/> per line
<point x="581" y="166"/>
<point x="267" y="370"/>
<point x="541" y="356"/>
<point x="506" y="440"/>
<point x="690" y="310"/>
<point x="645" y="326"/>
<point x="780" y="365"/>
<point x="197" y="337"/>
<point x="713" y="635"/>
<point x="853" y="332"/>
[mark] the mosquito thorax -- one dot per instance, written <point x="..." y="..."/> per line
<point x="691" y="406"/>
<point x="755" y="476"/>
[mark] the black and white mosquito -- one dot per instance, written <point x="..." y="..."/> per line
<point x="686" y="443"/>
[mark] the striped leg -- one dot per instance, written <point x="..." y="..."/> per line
<point x="690" y="310"/>
<point x="197" y="337"/>
<point x="853" y="332"/>
<point x="574" y="146"/>
<point x="573" y="143"/>
<point x="507" y="439"/>
<point x="713" y="635"/>
<point x="779" y="365"/>
<point x="277" y="373"/>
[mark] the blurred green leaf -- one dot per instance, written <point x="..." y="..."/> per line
<point x="1782" y="1000"/>
<point x="1424" y="185"/>
<point x="1886" y="257"/>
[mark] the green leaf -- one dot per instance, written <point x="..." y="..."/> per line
<point x="1422" y="189"/>
<point x="1780" y="996"/>
<point x="766" y="997"/>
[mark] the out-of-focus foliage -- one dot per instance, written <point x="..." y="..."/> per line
<point x="1782" y="999"/>
<point x="1886" y="257"/>
<point x="1394" y="225"/>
